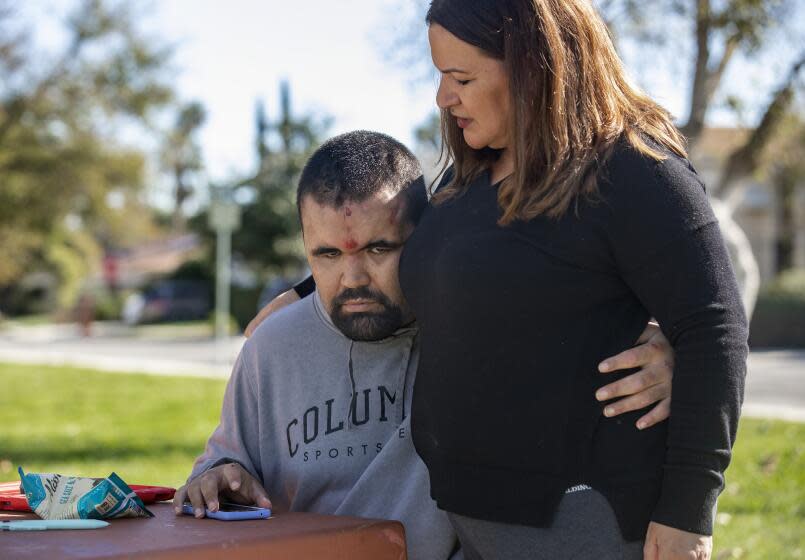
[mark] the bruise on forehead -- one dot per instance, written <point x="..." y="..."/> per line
<point x="396" y="211"/>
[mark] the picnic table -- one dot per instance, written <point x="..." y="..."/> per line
<point x="170" y="537"/>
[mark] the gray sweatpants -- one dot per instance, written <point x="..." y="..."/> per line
<point x="584" y="528"/>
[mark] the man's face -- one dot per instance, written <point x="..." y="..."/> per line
<point x="354" y="254"/>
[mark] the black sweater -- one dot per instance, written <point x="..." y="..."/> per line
<point x="514" y="321"/>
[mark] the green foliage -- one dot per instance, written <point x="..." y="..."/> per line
<point x="428" y="134"/>
<point x="270" y="222"/>
<point x="244" y="305"/>
<point x="779" y="317"/>
<point x="269" y="238"/>
<point x="181" y="155"/>
<point x="107" y="306"/>
<point x="748" y="21"/>
<point x="59" y="160"/>
<point x="68" y="255"/>
<point x="194" y="270"/>
<point x="789" y="285"/>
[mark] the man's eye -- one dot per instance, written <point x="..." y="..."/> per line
<point x="379" y="250"/>
<point x="330" y="255"/>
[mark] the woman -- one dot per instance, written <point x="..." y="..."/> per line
<point x="570" y="180"/>
<point x="570" y="199"/>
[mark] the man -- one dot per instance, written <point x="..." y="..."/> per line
<point x="316" y="413"/>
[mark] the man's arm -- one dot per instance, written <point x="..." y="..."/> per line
<point x="282" y="300"/>
<point x="230" y="465"/>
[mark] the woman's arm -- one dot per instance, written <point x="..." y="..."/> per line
<point x="668" y="249"/>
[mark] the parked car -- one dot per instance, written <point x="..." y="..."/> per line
<point x="169" y="300"/>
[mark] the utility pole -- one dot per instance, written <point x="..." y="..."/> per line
<point x="224" y="219"/>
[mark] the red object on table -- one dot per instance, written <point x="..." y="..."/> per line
<point x="11" y="499"/>
<point x="170" y="537"/>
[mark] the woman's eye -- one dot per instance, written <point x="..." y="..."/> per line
<point x="463" y="82"/>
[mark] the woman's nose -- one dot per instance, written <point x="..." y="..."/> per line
<point x="445" y="96"/>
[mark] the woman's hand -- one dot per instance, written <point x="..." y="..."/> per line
<point x="652" y="384"/>
<point x="667" y="543"/>
<point x="285" y="298"/>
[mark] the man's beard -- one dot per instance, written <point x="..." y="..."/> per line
<point x="366" y="325"/>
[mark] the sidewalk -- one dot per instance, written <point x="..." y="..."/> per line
<point x="775" y="385"/>
<point x="118" y="348"/>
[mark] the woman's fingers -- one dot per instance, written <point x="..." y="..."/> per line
<point x="660" y="412"/>
<point x="640" y="400"/>
<point x="636" y="383"/>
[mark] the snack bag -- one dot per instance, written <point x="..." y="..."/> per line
<point x="55" y="496"/>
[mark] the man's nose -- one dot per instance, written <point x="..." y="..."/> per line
<point x="355" y="274"/>
<point x="445" y="96"/>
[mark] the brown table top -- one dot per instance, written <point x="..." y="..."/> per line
<point x="167" y="536"/>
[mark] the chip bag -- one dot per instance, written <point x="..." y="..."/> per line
<point x="55" y="496"/>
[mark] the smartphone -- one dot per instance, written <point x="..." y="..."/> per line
<point x="231" y="512"/>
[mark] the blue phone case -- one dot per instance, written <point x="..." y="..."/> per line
<point x="254" y="513"/>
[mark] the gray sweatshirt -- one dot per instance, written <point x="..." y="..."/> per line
<point x="323" y="421"/>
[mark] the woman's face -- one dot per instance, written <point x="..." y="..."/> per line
<point x="474" y="88"/>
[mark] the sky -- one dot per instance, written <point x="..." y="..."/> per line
<point x="231" y="53"/>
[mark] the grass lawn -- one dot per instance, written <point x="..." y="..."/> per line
<point x="149" y="429"/>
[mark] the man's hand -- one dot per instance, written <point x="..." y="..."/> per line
<point x="652" y="384"/>
<point x="667" y="543"/>
<point x="230" y="481"/>
<point x="285" y="298"/>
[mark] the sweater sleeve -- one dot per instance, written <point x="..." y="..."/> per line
<point x="669" y="250"/>
<point x="236" y="439"/>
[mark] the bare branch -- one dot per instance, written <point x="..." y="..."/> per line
<point x="745" y="160"/>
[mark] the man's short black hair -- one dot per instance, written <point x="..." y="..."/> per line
<point x="355" y="166"/>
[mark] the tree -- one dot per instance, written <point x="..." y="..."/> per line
<point x="181" y="156"/>
<point x="787" y="175"/>
<point x="67" y="187"/>
<point x="719" y="32"/>
<point x="716" y="32"/>
<point x="268" y="238"/>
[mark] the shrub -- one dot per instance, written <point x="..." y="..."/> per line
<point x="779" y="317"/>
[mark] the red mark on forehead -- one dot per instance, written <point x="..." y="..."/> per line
<point x="347" y="211"/>
<point x="351" y="244"/>
<point x="395" y="214"/>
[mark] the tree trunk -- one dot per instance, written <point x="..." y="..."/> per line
<point x="784" y="185"/>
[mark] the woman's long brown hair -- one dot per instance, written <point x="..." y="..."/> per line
<point x="570" y="99"/>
